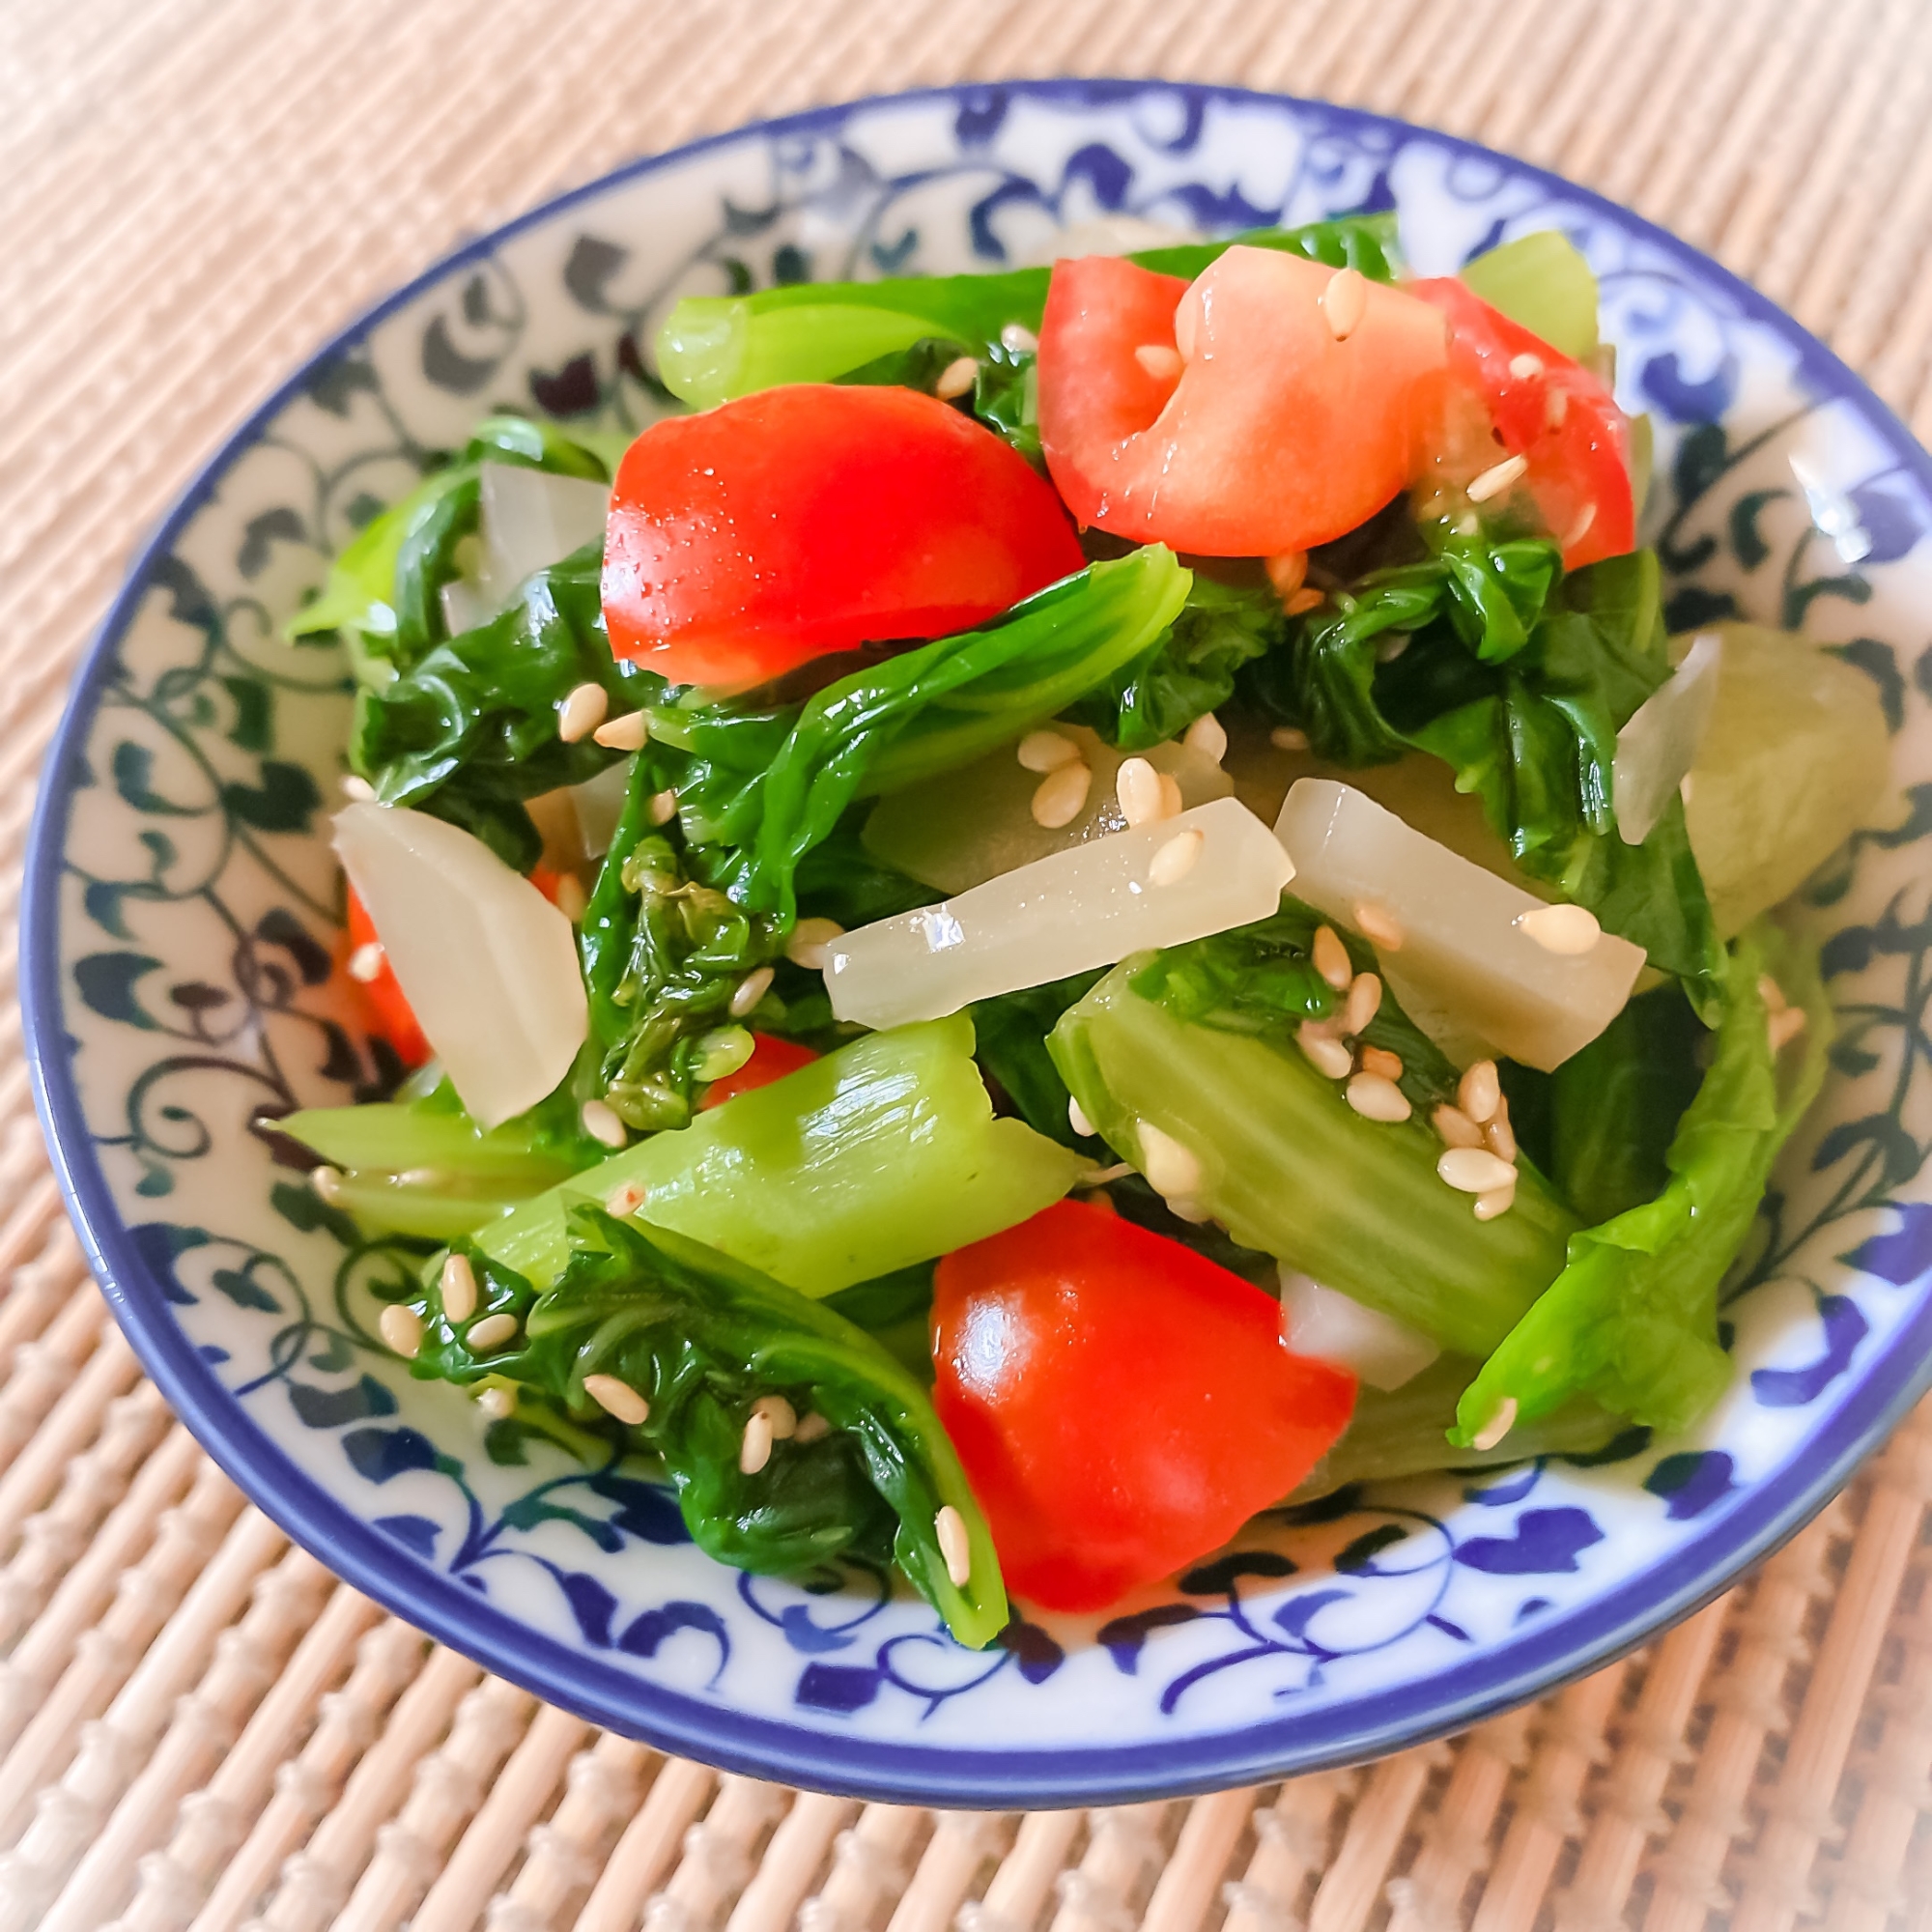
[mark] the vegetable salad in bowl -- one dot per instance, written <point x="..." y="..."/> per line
<point x="1070" y="903"/>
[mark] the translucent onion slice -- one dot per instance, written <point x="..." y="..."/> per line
<point x="1335" y="1327"/>
<point x="599" y="803"/>
<point x="1462" y="957"/>
<point x="1210" y="869"/>
<point x="488" y="964"/>
<point x="532" y="519"/>
<point x="1659" y="743"/>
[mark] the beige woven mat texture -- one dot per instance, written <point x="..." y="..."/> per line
<point x="197" y="1725"/>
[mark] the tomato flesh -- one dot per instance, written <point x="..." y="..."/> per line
<point x="1549" y="410"/>
<point x="1121" y="1404"/>
<point x="1246" y="429"/>
<point x="815" y="518"/>
<point x="771" y="1059"/>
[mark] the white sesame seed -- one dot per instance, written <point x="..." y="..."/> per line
<point x="1496" y="1427"/>
<point x="1076" y="1118"/>
<point x="1062" y="795"/>
<point x="755" y="1451"/>
<point x="662" y="807"/>
<point x="1499" y="1135"/>
<point x="1455" y="1127"/>
<point x="1169" y="795"/>
<point x="624" y="1200"/>
<point x="752" y="988"/>
<point x="1581" y="529"/>
<point x="1177" y="857"/>
<point x="956" y="379"/>
<point x="1331" y="958"/>
<point x="328" y="1183"/>
<point x="1785" y="1026"/>
<point x="1771" y="993"/>
<point x="1345" y="302"/>
<point x="617" y="1397"/>
<point x="1555" y="407"/>
<point x="955" y="1546"/>
<point x="631" y="732"/>
<point x="1171" y="1169"/>
<point x="1186" y="325"/>
<point x="358" y="790"/>
<point x="1325" y="1053"/>
<point x="1380" y="1059"/>
<point x="779" y="1413"/>
<point x="1498" y="1201"/>
<point x="487" y="1335"/>
<point x="1525" y="367"/>
<point x="601" y="1124"/>
<point x="1365" y="998"/>
<point x="1209" y="736"/>
<point x="402" y="1329"/>
<point x="1286" y="738"/>
<point x="582" y="712"/>
<point x="1379" y="927"/>
<point x="1474" y="1170"/>
<point x="1498" y="477"/>
<point x="1160" y="361"/>
<point x="1288" y="570"/>
<point x="1479" y="1093"/>
<point x="365" y="963"/>
<point x="1469" y="524"/>
<point x="422" y="1177"/>
<point x="1303" y="602"/>
<point x="1684" y="789"/>
<point x="572" y="900"/>
<point x="811" y="942"/>
<point x="812" y="1428"/>
<point x="1568" y="930"/>
<point x="1390" y="646"/>
<point x="497" y="1401"/>
<point x="1046" y="751"/>
<point x="1017" y="339"/>
<point x="1137" y="786"/>
<point x="1376" y="1099"/>
<point x="458" y="1283"/>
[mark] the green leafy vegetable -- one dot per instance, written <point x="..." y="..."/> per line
<point x="1632" y="1319"/>
<point x="703" y="1339"/>
<point x="1011" y="1033"/>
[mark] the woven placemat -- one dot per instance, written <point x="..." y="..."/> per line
<point x="197" y="1725"/>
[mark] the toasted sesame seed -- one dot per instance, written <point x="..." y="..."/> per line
<point x="1209" y="736"/>
<point x="1568" y="930"/>
<point x="1378" y="1098"/>
<point x="1684" y="789"/>
<point x="1186" y="323"/>
<point x="779" y="1413"/>
<point x="572" y="902"/>
<point x="1499" y="1135"/>
<point x="662" y="807"/>
<point x="1017" y="339"/>
<point x="328" y="1183"/>
<point x="1380" y="1059"/>
<point x="487" y="1335"/>
<point x="1169" y="795"/>
<point x="1325" y="1053"/>
<point x="755" y="1450"/>
<point x="1303" y="602"/>
<point x="812" y="1428"/>
<point x="358" y="790"/>
<point x="617" y="1397"/>
<point x="751" y="989"/>
<point x="1469" y="524"/>
<point x="1345" y="302"/>
<point x="955" y="1546"/>
<point x="402" y="1329"/>
<point x="497" y="1401"/>
<point x="1137" y="788"/>
<point x="624" y="1199"/>
<point x="1171" y="1169"/>
<point x="1771" y="993"/>
<point x="1288" y="570"/>
<point x="811" y="941"/>
<point x="601" y="1124"/>
<point x="1176" y="859"/>
<point x="1474" y="1170"/>
<point x="631" y="732"/>
<point x="1160" y="361"/>
<point x="1581" y="529"/>
<point x="1785" y="1026"/>
<point x="1046" y="751"/>
<point x="1455" y="1127"/>
<point x="956" y="379"/>
<point x="1557" y="408"/>
<point x="1498" y="1201"/>
<point x="1496" y="1427"/>
<point x="1525" y="366"/>
<point x="458" y="1288"/>
<point x="1365" y="998"/>
<point x="1331" y="958"/>
<point x="1379" y="927"/>
<point x="1479" y="1093"/>
<point x="365" y="963"/>
<point x="1077" y="1118"/>
<point x="1288" y="738"/>
<point x="1060" y="796"/>
<point x="582" y="712"/>
<point x="1498" y="477"/>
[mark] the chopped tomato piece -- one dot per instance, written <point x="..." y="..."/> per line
<point x="814" y="518"/>
<point x="1226" y="418"/>
<point x="374" y="979"/>
<point x="1549" y="410"/>
<point x="1122" y="1405"/>
<point x="771" y="1059"/>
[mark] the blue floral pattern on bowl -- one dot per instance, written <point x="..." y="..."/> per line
<point x="181" y="911"/>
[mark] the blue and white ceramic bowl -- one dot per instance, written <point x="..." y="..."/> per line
<point x="181" y="905"/>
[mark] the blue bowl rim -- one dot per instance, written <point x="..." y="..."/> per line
<point x="1526" y="1666"/>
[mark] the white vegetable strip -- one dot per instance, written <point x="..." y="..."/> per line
<point x="1463" y="953"/>
<point x="1659" y="743"/>
<point x="488" y="964"/>
<point x="1078" y="909"/>
<point x="1335" y="1327"/>
<point x="599" y="803"/>
<point x="532" y="519"/>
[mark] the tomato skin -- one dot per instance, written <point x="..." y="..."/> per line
<point x="1121" y="1404"/>
<point x="1558" y="415"/>
<point x="386" y="1011"/>
<point x="1273" y="436"/>
<point x="771" y="1059"/>
<point x="814" y="518"/>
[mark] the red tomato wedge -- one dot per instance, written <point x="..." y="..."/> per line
<point x="1224" y="419"/>
<point x="388" y="1011"/>
<point x="1549" y="410"/>
<point x="815" y="518"/>
<point x="1121" y="1404"/>
<point x="771" y="1059"/>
